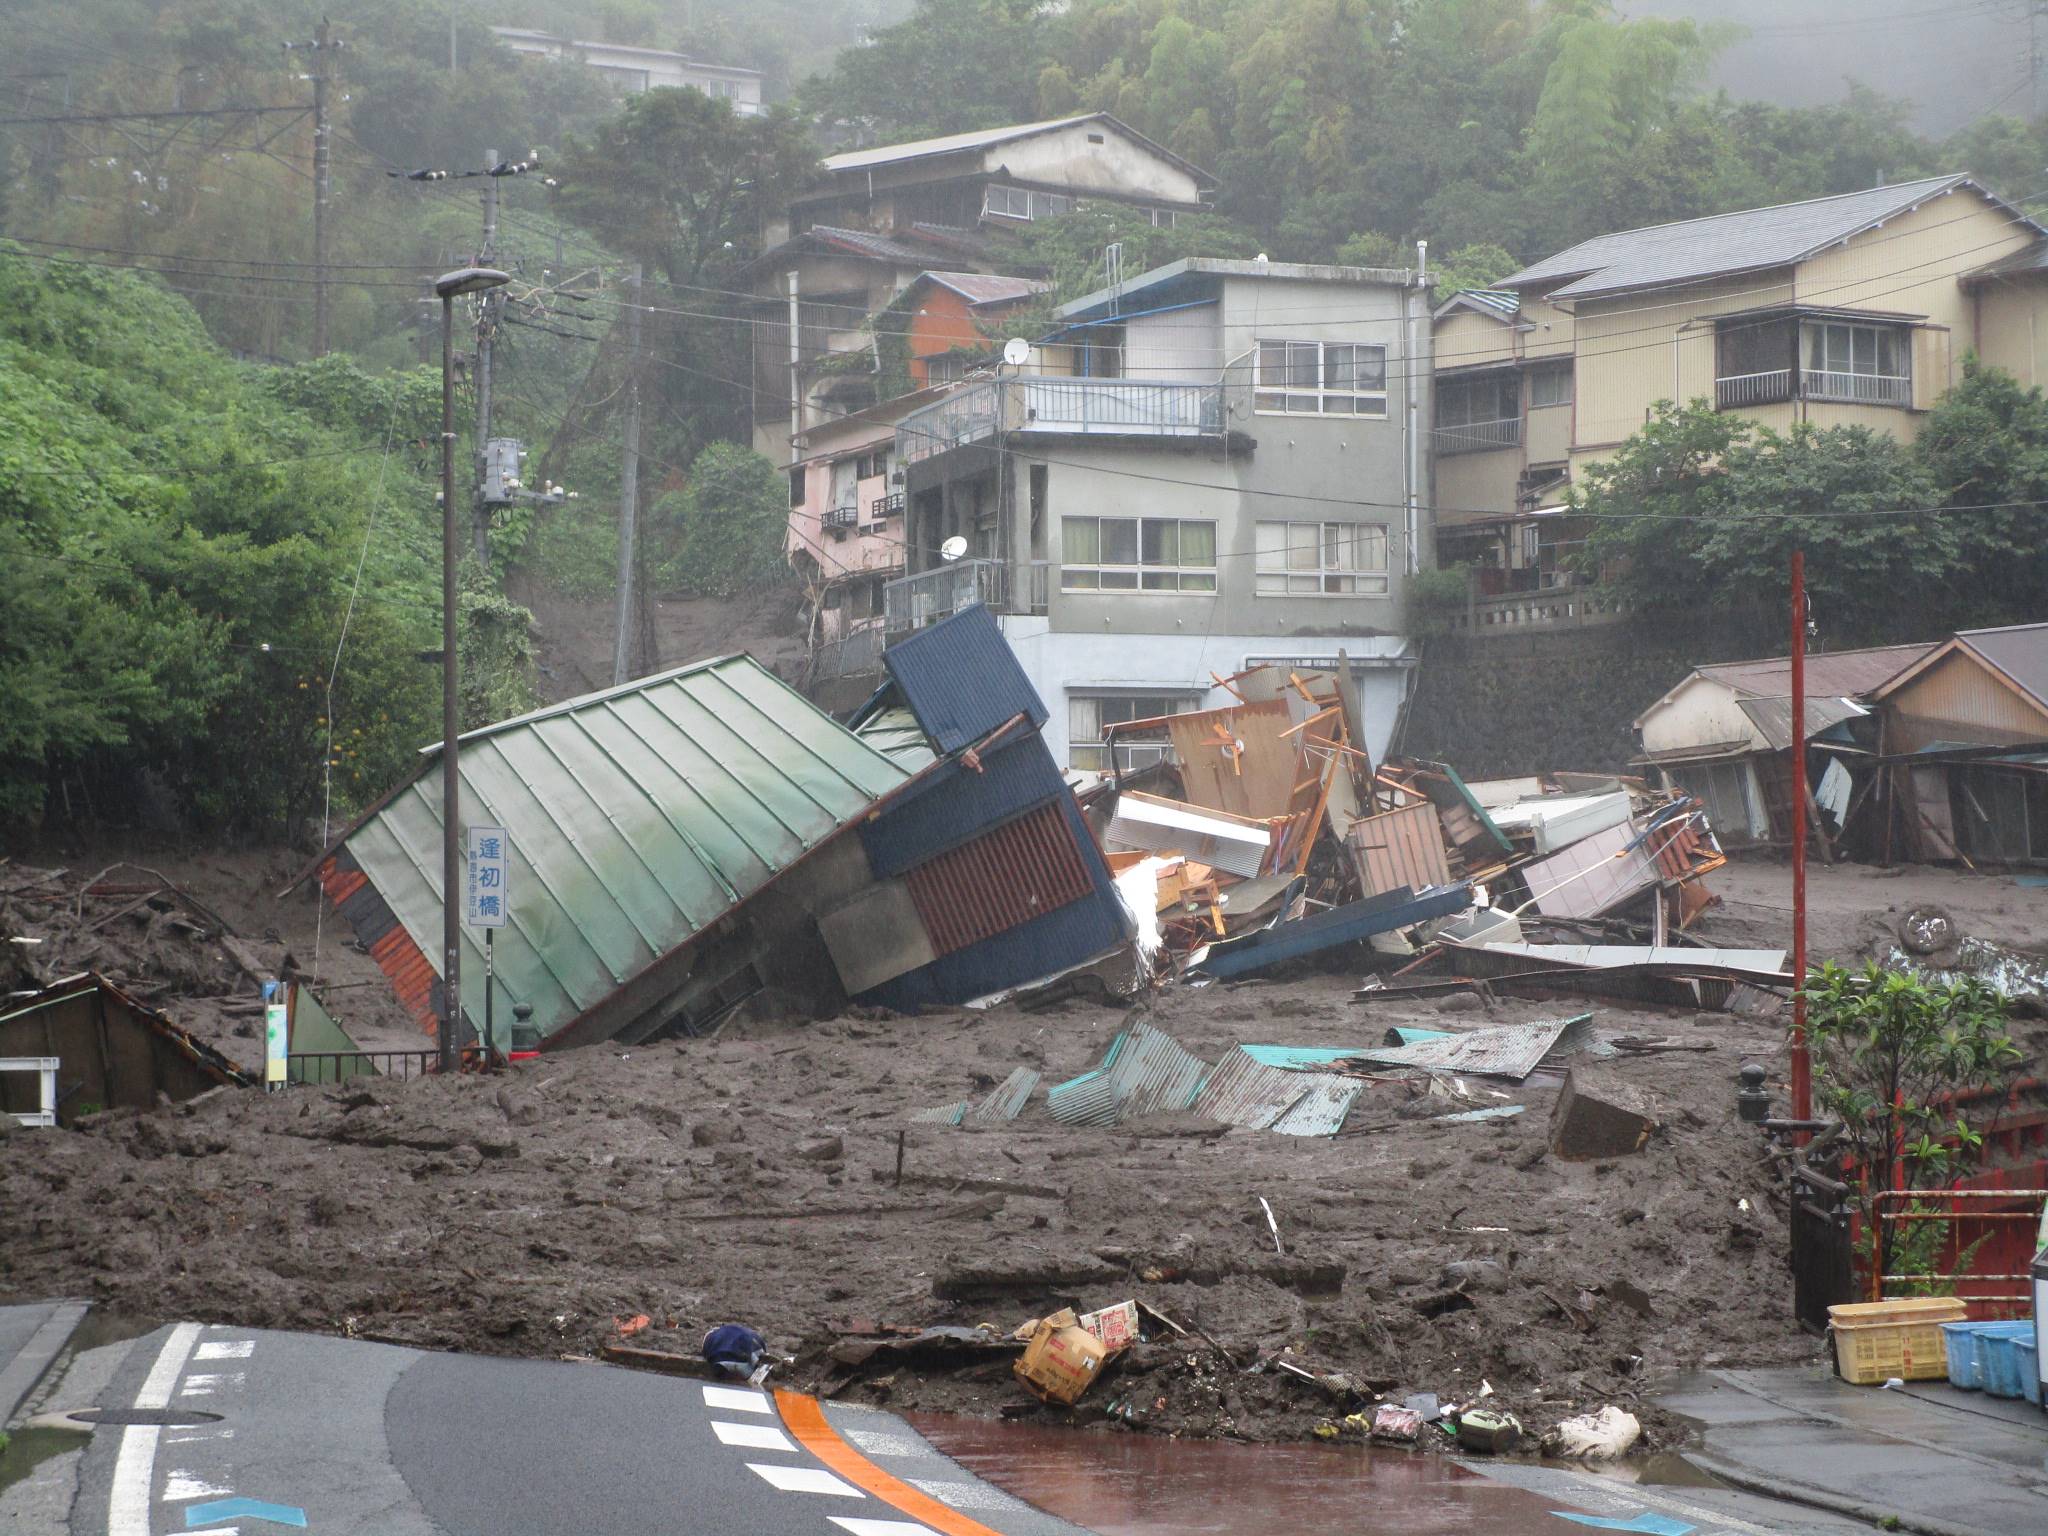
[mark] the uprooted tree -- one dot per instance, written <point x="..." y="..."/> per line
<point x="1899" y="1061"/>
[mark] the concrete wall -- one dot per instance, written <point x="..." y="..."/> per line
<point x="1068" y="158"/>
<point x="1701" y="713"/>
<point x="1176" y="344"/>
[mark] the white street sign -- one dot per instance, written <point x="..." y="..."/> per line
<point x="487" y="887"/>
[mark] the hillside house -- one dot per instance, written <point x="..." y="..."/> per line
<point x="630" y="71"/>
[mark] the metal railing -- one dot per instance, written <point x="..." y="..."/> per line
<point x="911" y="602"/>
<point x="1478" y="436"/>
<point x="339" y="1066"/>
<point x="840" y="517"/>
<point x="1127" y="407"/>
<point x="1745" y="389"/>
<point x="890" y="505"/>
<point x="855" y="654"/>
<point x="1856" y="388"/>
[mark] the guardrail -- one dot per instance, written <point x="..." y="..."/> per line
<point x="1123" y="407"/>
<point x="851" y="655"/>
<point x="839" y="518"/>
<point x="339" y="1066"/>
<point x="1746" y="389"/>
<point x="911" y="602"/>
<point x="890" y="505"/>
<point x="1857" y="388"/>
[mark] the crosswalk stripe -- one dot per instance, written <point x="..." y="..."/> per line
<point x="758" y="1437"/>
<point x="737" y="1399"/>
<point x="856" y="1527"/>
<point x="804" y="1480"/>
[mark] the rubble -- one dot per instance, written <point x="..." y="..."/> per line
<point x="1599" y="1114"/>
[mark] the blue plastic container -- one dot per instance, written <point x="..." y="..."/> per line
<point x="2000" y="1347"/>
<point x="2026" y="1351"/>
<point x="1965" y="1357"/>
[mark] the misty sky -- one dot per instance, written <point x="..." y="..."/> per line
<point x="1955" y="59"/>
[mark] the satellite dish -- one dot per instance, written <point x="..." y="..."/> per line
<point x="953" y="548"/>
<point x="1016" y="351"/>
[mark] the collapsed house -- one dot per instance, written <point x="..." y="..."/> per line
<point x="83" y="1044"/>
<point x="682" y="844"/>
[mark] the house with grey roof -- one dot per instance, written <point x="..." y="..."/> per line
<point x="1857" y="308"/>
<point x="880" y="217"/>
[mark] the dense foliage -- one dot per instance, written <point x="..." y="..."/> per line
<point x="180" y="541"/>
<point x="1701" y="509"/>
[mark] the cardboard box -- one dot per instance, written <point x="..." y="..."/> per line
<point x="1116" y="1327"/>
<point x="1062" y="1359"/>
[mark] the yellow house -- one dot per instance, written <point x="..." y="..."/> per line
<point x="1850" y="309"/>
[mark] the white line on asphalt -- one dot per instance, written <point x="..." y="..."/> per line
<point x="804" y="1480"/>
<point x="758" y="1437"/>
<point x="225" y="1349"/>
<point x="206" y="1383"/>
<point x="880" y="1527"/>
<point x="738" y="1399"/>
<point x="135" y="1462"/>
<point x="181" y="1485"/>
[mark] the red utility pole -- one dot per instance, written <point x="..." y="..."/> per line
<point x="1802" y="1068"/>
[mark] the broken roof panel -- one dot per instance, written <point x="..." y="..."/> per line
<point x="1245" y="1091"/>
<point x="637" y="816"/>
<point x="1773" y="717"/>
<point x="1145" y="1072"/>
<point x="961" y="679"/>
<point x="1500" y="1050"/>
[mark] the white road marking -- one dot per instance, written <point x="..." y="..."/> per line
<point x="225" y="1349"/>
<point x="218" y="1530"/>
<point x="739" y="1399"/>
<point x="758" y="1437"/>
<point x="874" y="1442"/>
<point x="964" y="1495"/>
<point x="804" y="1480"/>
<point x="135" y="1462"/>
<point x="207" y="1432"/>
<point x="856" y="1527"/>
<point x="206" y="1383"/>
<point x="182" y="1485"/>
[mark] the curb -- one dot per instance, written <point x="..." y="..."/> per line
<point x="1739" y="1476"/>
<point x="21" y="1375"/>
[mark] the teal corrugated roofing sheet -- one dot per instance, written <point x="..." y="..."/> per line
<point x="636" y="816"/>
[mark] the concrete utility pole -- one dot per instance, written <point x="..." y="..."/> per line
<point x="486" y="328"/>
<point x="629" y="481"/>
<point x="324" y="47"/>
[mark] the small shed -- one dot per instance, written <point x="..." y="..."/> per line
<point x="1964" y="733"/>
<point x="112" y="1051"/>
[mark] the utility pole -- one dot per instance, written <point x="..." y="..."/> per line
<point x="1802" y="1068"/>
<point x="323" y="47"/>
<point x="486" y="328"/>
<point x="629" y="480"/>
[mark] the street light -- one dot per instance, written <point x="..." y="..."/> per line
<point x="448" y="287"/>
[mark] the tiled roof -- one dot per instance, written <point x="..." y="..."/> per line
<point x="1748" y="241"/>
<point x="979" y="288"/>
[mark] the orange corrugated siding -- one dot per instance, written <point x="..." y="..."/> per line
<point x="1397" y="848"/>
<point x="999" y="881"/>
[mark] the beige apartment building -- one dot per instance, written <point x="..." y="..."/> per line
<point x="1852" y="309"/>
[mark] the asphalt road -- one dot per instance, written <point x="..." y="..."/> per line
<point x="280" y="1431"/>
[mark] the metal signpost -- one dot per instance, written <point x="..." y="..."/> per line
<point x="486" y="895"/>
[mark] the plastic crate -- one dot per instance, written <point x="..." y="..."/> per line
<point x="1877" y="1340"/>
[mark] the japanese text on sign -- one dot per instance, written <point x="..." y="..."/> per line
<point x="487" y="884"/>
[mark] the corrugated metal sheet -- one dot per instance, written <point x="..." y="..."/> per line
<point x="1243" y="1090"/>
<point x="1773" y="717"/>
<point x="945" y="1114"/>
<point x="1840" y="674"/>
<point x="961" y="679"/>
<point x="1355" y="920"/>
<point x="1145" y="1072"/>
<point x="1007" y="1101"/>
<point x="1501" y="1050"/>
<point x="1004" y="878"/>
<point x="1299" y="1058"/>
<point x="2020" y="651"/>
<point x="1397" y="848"/>
<point x="637" y="816"/>
<point x="1768" y="963"/>
<point x="1591" y="877"/>
<point x="953" y="803"/>
<point x="896" y="734"/>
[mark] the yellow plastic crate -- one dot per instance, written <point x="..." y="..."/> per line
<point x="1877" y="1340"/>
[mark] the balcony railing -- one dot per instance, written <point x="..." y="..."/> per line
<point x="855" y="654"/>
<point x="1478" y="436"/>
<point x="911" y="602"/>
<point x="1742" y="390"/>
<point x="840" y="518"/>
<point x="1125" y="407"/>
<point x="1857" y="388"/>
<point x="890" y="505"/>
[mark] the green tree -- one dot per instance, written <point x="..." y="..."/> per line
<point x="1472" y="266"/>
<point x="734" y="511"/>
<point x="1895" y="1060"/>
<point x="1985" y="448"/>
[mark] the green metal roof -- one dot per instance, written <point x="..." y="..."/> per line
<point x="636" y="816"/>
<point x="896" y="733"/>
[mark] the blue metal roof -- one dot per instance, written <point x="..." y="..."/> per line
<point x="961" y="680"/>
<point x="952" y="803"/>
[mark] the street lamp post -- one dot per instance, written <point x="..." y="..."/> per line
<point x="448" y="288"/>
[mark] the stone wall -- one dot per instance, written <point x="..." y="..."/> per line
<point x="1498" y="705"/>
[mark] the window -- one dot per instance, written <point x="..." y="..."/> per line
<point x="1489" y="397"/>
<point x="869" y="465"/>
<point x="1327" y="378"/>
<point x="1550" y="385"/>
<point x="796" y="486"/>
<point x="1321" y="559"/>
<point x="1087" y="718"/>
<point x="1137" y="554"/>
<point x="1025" y="203"/>
<point x="1868" y="364"/>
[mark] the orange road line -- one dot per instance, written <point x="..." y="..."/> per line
<point x="804" y="1417"/>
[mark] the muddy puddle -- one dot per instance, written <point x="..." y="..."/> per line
<point x="1121" y="1484"/>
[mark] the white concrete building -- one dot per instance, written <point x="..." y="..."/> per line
<point x="632" y="70"/>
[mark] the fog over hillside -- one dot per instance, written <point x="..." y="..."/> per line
<point x="1956" y="60"/>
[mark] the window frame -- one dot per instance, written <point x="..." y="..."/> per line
<point x="1094" y="755"/>
<point x="1564" y="371"/>
<point x="1366" y="580"/>
<point x="1138" y="567"/>
<point x="1322" y="392"/>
